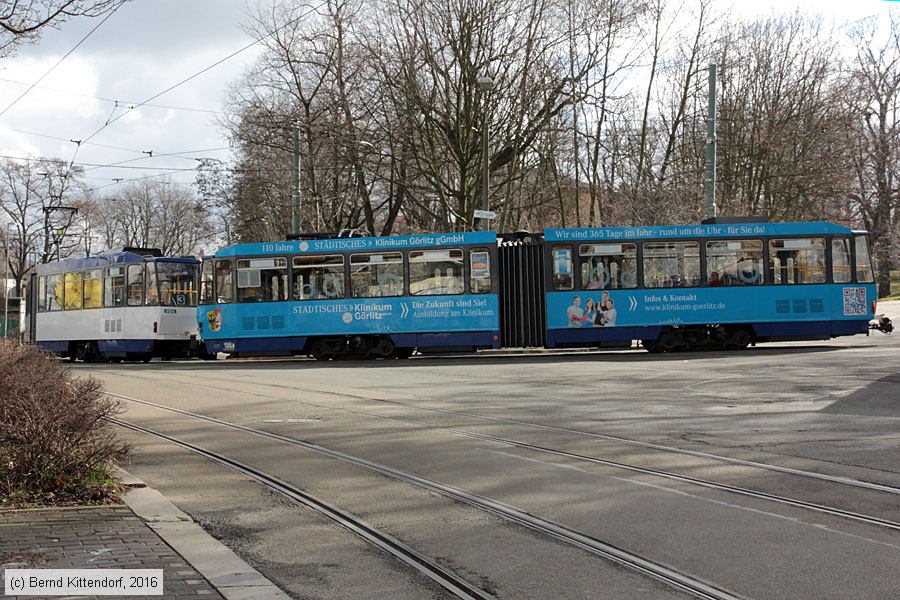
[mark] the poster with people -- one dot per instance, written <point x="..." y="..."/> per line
<point x="593" y="312"/>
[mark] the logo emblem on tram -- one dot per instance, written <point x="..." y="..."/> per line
<point x="214" y="318"/>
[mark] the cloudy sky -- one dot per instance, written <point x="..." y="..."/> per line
<point x="141" y="50"/>
<point x="149" y="45"/>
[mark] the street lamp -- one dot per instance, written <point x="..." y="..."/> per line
<point x="47" y="210"/>
<point x="6" y="284"/>
<point x="486" y="85"/>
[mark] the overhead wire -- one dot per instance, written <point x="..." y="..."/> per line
<point x="110" y="120"/>
<point x="63" y="139"/>
<point x="59" y="62"/>
<point x="156" y="155"/>
<point x="121" y="102"/>
<point x="204" y="70"/>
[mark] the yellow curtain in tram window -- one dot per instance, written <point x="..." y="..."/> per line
<point x="57" y="292"/>
<point x="74" y="290"/>
<point x="93" y="290"/>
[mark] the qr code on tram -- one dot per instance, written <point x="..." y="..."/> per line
<point x="855" y="301"/>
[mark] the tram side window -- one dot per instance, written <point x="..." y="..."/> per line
<point x="734" y="262"/>
<point x="206" y="283"/>
<point x="42" y="294"/>
<point x="608" y="266"/>
<point x="840" y="260"/>
<point x="135" y="284"/>
<point x="114" y="290"/>
<point x="562" y="268"/>
<point x="436" y="272"/>
<point x="797" y="261"/>
<point x="262" y="279"/>
<point x="54" y="293"/>
<point x="93" y="289"/>
<point x="318" y="277"/>
<point x="864" y="272"/>
<point x="376" y="275"/>
<point x="479" y="271"/>
<point x="72" y="293"/>
<point x="671" y="264"/>
<point x="224" y="282"/>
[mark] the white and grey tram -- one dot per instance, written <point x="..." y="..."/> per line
<point x="127" y="305"/>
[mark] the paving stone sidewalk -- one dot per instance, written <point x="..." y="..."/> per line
<point x="93" y="537"/>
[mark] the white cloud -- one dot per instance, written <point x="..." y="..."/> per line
<point x="143" y="49"/>
<point x="77" y="75"/>
<point x="16" y="144"/>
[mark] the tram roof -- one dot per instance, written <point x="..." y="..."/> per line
<point x="394" y="242"/>
<point x="105" y="260"/>
<point x="694" y="231"/>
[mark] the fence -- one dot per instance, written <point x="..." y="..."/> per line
<point x="11" y="326"/>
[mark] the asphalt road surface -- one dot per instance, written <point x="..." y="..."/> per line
<point x="581" y="439"/>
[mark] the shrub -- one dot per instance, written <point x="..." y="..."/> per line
<point x="56" y="443"/>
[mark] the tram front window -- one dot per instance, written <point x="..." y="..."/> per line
<point x="176" y="283"/>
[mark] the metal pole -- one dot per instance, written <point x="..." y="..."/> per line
<point x="709" y="180"/>
<point x="486" y="167"/>
<point x="486" y="85"/>
<point x="45" y="258"/>
<point x="296" y="200"/>
<point x="6" y="289"/>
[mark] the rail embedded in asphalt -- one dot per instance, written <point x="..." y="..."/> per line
<point x="443" y="577"/>
<point x="667" y="575"/>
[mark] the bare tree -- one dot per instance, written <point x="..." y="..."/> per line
<point x="21" y="22"/>
<point x="152" y="214"/>
<point x="31" y="194"/>
<point x="875" y="106"/>
<point x="597" y="115"/>
<point x="781" y="122"/>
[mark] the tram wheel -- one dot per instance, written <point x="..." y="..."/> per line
<point x="88" y="352"/>
<point x="738" y="339"/>
<point x="83" y="352"/>
<point x="320" y="351"/>
<point x="669" y="341"/>
<point x="383" y="348"/>
<point x="651" y="346"/>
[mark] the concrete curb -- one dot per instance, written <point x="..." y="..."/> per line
<point x="231" y="576"/>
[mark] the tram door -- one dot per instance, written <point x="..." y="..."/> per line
<point x="28" y="310"/>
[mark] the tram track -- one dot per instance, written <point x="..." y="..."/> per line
<point x="445" y="578"/>
<point x="849" y="481"/>
<point x="696" y="481"/>
<point x="838" y="479"/>
<point x="663" y="573"/>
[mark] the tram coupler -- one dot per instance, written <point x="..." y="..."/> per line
<point x="882" y="324"/>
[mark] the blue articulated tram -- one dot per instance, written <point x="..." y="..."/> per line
<point x="725" y="284"/>
<point x="364" y="297"/>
